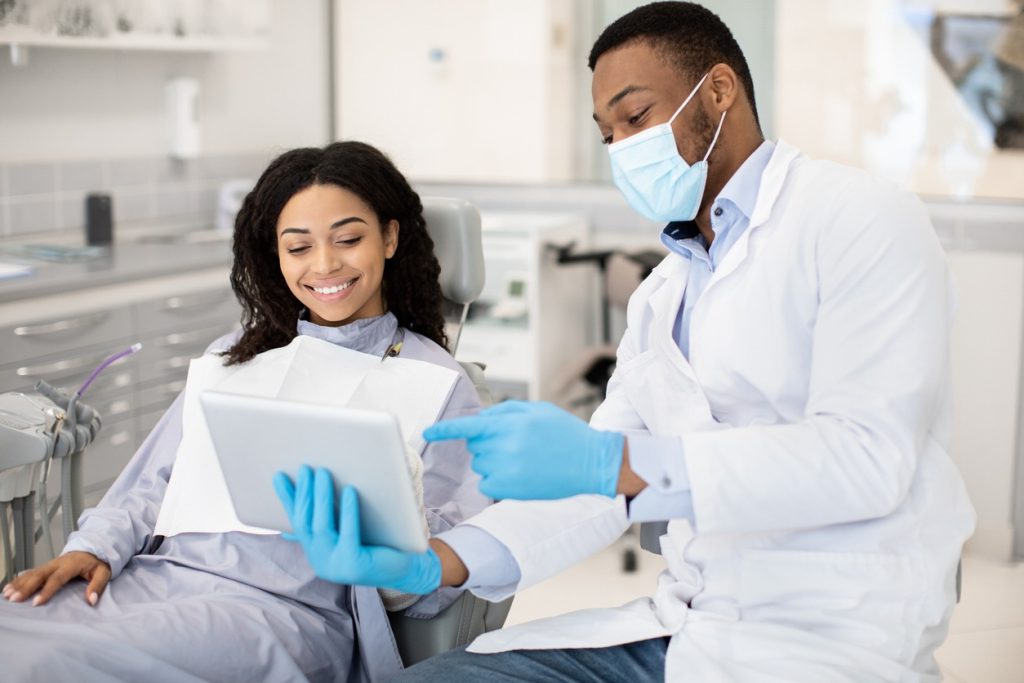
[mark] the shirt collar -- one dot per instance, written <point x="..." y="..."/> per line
<point x="744" y="184"/>
<point x="741" y="190"/>
<point x="368" y="335"/>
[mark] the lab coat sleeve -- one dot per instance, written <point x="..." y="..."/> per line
<point x="656" y="459"/>
<point x="616" y="412"/>
<point x="548" y="536"/>
<point x="493" y="572"/>
<point x="878" y="366"/>
<point x="451" y="490"/>
<point x="121" y="526"/>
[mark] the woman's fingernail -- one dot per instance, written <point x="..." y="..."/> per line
<point x="36" y="600"/>
<point x="15" y="596"/>
<point x="93" y="597"/>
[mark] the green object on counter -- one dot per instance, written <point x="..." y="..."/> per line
<point x="56" y="253"/>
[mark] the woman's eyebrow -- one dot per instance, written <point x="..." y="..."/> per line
<point x="346" y="221"/>
<point x="336" y="224"/>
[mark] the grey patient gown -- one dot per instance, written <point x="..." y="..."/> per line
<point x="234" y="606"/>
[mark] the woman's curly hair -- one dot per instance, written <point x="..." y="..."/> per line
<point x="410" y="285"/>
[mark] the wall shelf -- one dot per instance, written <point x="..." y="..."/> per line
<point x="128" y="41"/>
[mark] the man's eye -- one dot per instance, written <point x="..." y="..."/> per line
<point x="635" y="120"/>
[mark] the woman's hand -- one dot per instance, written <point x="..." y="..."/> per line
<point x="52" y="576"/>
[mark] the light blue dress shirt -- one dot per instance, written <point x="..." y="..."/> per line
<point x="658" y="460"/>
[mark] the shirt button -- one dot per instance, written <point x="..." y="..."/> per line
<point x="718" y="211"/>
<point x="666" y="482"/>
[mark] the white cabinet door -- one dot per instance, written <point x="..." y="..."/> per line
<point x="986" y="360"/>
<point x="458" y="89"/>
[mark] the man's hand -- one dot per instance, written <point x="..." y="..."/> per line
<point x="332" y="540"/>
<point x="533" y="451"/>
<point x="52" y="576"/>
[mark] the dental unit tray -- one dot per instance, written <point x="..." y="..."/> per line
<point x="35" y="430"/>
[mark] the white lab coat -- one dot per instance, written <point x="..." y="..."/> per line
<point x="814" y="415"/>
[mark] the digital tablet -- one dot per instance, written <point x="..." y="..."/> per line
<point x="254" y="438"/>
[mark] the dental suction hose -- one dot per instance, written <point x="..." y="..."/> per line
<point x="80" y="426"/>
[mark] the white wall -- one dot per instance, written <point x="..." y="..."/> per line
<point x="84" y="104"/>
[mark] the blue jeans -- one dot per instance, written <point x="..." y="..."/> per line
<point x="638" y="662"/>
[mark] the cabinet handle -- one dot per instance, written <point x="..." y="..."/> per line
<point x="172" y="388"/>
<point x="183" y="338"/>
<point x="60" y="368"/>
<point x="175" y="363"/>
<point x="61" y="325"/>
<point x="63" y="368"/>
<point x="118" y="407"/>
<point x="121" y="437"/>
<point x="190" y="301"/>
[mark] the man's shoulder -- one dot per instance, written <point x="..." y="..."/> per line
<point x="844" y="206"/>
<point x="837" y="184"/>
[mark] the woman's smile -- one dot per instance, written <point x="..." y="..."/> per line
<point x="332" y="290"/>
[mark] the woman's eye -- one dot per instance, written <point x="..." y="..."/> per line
<point x="297" y="250"/>
<point x="350" y="242"/>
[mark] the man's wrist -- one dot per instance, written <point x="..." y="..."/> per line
<point x="453" y="570"/>
<point x="630" y="484"/>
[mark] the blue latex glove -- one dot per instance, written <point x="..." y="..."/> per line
<point x="533" y="451"/>
<point x="333" y="546"/>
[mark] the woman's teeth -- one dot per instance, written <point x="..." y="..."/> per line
<point x="332" y="290"/>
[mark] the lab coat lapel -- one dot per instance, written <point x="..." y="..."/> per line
<point x="768" y="192"/>
<point x="665" y="303"/>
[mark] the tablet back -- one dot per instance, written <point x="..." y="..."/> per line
<point x="254" y="438"/>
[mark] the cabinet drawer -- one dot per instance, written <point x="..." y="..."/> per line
<point x="187" y="311"/>
<point x="146" y="421"/>
<point x="114" y="409"/>
<point x="160" y="396"/>
<point x="104" y="459"/>
<point x="61" y="334"/>
<point x="169" y="354"/>
<point x="69" y="371"/>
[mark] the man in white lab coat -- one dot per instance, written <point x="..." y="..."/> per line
<point x="781" y="397"/>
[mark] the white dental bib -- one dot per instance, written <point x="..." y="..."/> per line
<point x="309" y="370"/>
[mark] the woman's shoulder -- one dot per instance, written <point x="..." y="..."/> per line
<point x="417" y="347"/>
<point x="225" y="342"/>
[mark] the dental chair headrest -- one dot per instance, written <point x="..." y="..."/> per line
<point x="454" y="225"/>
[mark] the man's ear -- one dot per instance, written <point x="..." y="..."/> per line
<point x="391" y="238"/>
<point x="725" y="86"/>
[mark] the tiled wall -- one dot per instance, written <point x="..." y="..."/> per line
<point x="45" y="197"/>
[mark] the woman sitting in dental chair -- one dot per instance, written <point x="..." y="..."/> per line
<point x="331" y="243"/>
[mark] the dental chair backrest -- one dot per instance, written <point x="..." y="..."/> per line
<point x="454" y="225"/>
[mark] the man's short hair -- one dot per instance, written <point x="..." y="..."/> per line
<point x="691" y="37"/>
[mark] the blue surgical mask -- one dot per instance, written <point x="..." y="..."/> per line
<point x="656" y="181"/>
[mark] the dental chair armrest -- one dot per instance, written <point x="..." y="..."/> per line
<point x="458" y="624"/>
